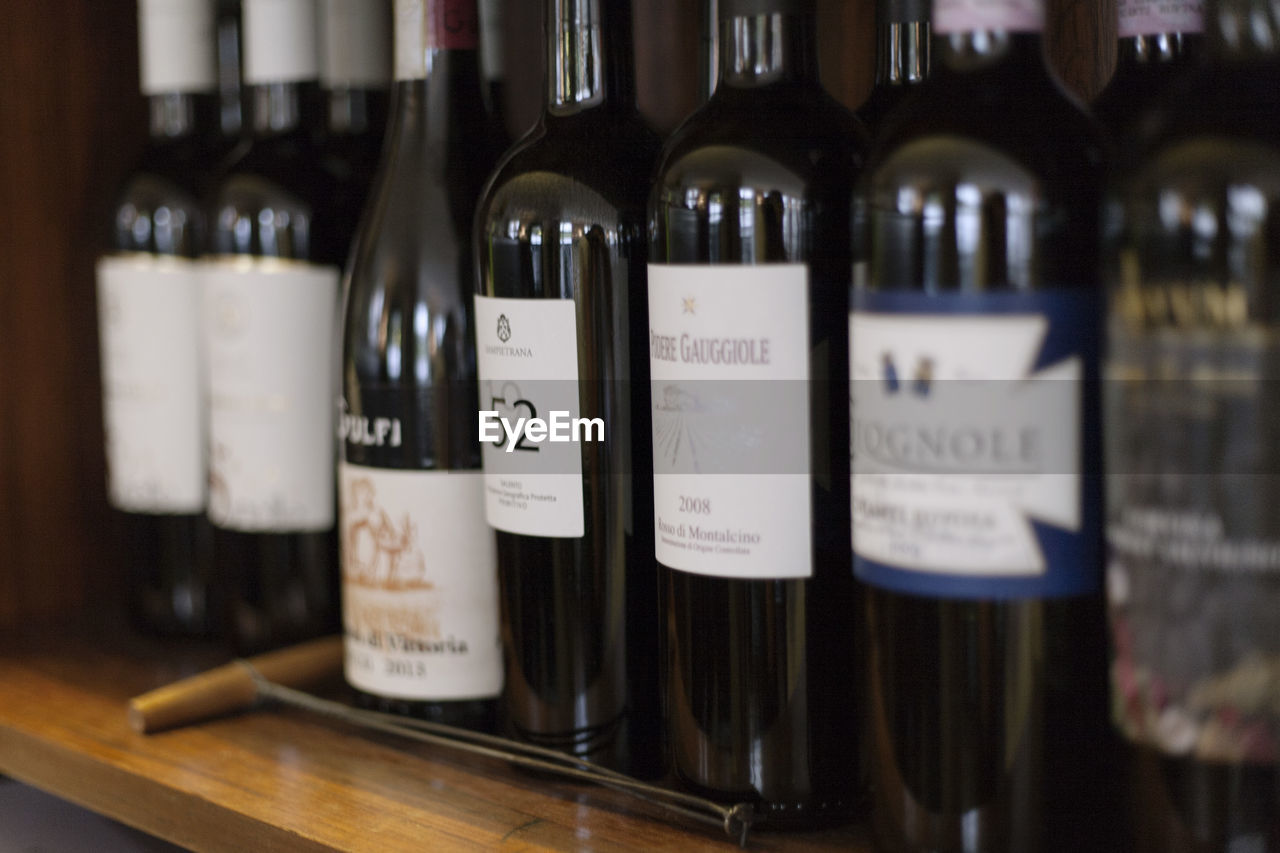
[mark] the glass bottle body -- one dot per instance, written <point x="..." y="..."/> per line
<point x="409" y="361"/>
<point x="1190" y="418"/>
<point x="757" y="693"/>
<point x="989" y="704"/>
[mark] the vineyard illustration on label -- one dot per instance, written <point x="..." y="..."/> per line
<point x="376" y="552"/>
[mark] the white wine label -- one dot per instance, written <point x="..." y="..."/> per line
<point x="152" y="383"/>
<point x="967" y="443"/>
<point x="527" y="360"/>
<point x="419" y="585"/>
<point x="1149" y="17"/>
<point x="1193" y="477"/>
<point x="269" y="331"/>
<point x="410" y="40"/>
<point x="176" y="46"/>
<point x="281" y="41"/>
<point x="356" y="40"/>
<point x="958" y="16"/>
<point x="729" y="362"/>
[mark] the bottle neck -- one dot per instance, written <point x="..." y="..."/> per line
<point x="1244" y="30"/>
<point x="280" y="108"/>
<point x="988" y="50"/>
<point x="173" y="114"/>
<point x="758" y="50"/>
<point x="902" y="53"/>
<point x="589" y="55"/>
<point x="353" y="110"/>
<point x="1152" y="49"/>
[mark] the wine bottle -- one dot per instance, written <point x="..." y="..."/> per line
<point x="419" y="564"/>
<point x="1193" y="578"/>
<point x="148" y="302"/>
<point x="974" y="335"/>
<point x="1158" y="43"/>
<point x="902" y="57"/>
<point x="748" y="291"/>
<point x="355" y="72"/>
<point x="561" y="327"/>
<point x="277" y="241"/>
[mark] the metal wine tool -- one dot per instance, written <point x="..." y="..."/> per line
<point x="736" y="820"/>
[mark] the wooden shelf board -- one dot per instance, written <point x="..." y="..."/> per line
<point x="275" y="779"/>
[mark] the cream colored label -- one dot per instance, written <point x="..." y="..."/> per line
<point x="176" y="46"/>
<point x="152" y="393"/>
<point x="527" y="359"/>
<point x="419" y="584"/>
<point x="958" y="16"/>
<point x="729" y="359"/>
<point x="269" y="328"/>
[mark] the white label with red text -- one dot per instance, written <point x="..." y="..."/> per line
<point x="729" y="360"/>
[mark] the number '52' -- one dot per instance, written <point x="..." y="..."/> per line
<point x="522" y="444"/>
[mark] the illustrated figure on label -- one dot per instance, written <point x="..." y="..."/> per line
<point x="377" y="554"/>
<point x="890" y="373"/>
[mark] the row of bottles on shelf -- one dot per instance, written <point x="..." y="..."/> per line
<point x="673" y="588"/>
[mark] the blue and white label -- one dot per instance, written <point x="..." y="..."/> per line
<point x="967" y="443"/>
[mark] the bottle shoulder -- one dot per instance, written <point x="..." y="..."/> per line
<point x="1028" y="124"/>
<point x="582" y="168"/>
<point x="792" y="134"/>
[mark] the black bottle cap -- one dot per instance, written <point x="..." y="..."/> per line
<point x="905" y="11"/>
<point x="748" y="8"/>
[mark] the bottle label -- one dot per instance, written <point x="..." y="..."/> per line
<point x="1193" y="576"/>
<point x="1149" y="17"/>
<point x="176" y="46"/>
<point x="152" y="383"/>
<point x="527" y="360"/>
<point x="960" y="16"/>
<point x="269" y="331"/>
<point x="356" y="40"/>
<point x="967" y="443"/>
<point x="419" y="585"/>
<point x="729" y="361"/>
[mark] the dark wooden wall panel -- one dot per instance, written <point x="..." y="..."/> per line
<point x="70" y="121"/>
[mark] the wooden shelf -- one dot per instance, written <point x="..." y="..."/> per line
<point x="282" y="780"/>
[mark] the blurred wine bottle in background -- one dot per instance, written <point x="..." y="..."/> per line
<point x="976" y="453"/>
<point x="1192" y="416"/>
<point x="277" y="240"/>
<point x="748" y="291"/>
<point x="148" y="304"/>
<point x="561" y="326"/>
<point x="1158" y="43"/>
<point x="355" y="74"/>
<point x="902" y="57"/>
<point x="414" y="538"/>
